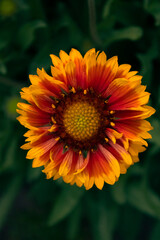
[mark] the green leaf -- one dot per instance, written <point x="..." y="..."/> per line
<point x="118" y="191"/>
<point x="154" y="9"/>
<point x="144" y="199"/>
<point x="33" y="173"/>
<point x="9" y="158"/>
<point x="3" y="68"/>
<point x="131" y="33"/>
<point x="7" y="199"/>
<point x="103" y="216"/>
<point x="74" y="223"/>
<point x="129" y="216"/>
<point x="146" y="63"/>
<point x="27" y="33"/>
<point x="65" y="203"/>
<point x="106" y="9"/>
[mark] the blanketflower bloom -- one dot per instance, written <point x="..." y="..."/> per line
<point x="86" y="121"/>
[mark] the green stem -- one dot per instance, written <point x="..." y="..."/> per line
<point x="92" y="22"/>
<point x="146" y="3"/>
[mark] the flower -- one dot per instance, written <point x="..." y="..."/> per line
<point x="86" y="121"/>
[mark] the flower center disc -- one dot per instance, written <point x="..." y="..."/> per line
<point x="81" y="120"/>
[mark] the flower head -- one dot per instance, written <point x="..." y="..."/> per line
<point x="86" y="121"/>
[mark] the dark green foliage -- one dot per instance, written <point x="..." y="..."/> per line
<point x="33" y="208"/>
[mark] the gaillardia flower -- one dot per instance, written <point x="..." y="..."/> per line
<point x="86" y="121"/>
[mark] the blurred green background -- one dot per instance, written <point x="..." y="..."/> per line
<point x="32" y="207"/>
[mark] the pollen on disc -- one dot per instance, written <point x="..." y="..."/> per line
<point x="81" y="120"/>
